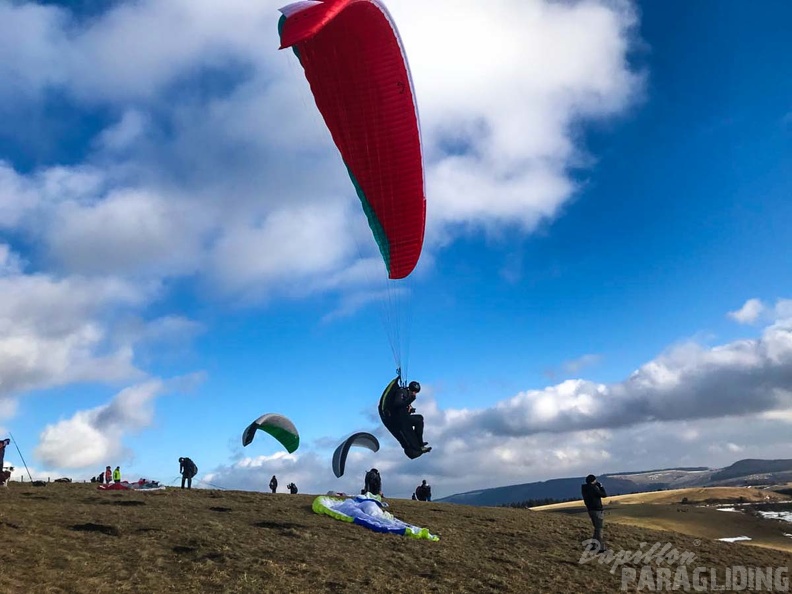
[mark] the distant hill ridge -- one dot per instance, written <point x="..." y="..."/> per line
<point x="742" y="472"/>
<point x="751" y="466"/>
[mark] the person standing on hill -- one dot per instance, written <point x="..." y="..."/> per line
<point x="593" y="492"/>
<point x="273" y="483"/>
<point x="117" y="474"/>
<point x="188" y="470"/>
<point x="423" y="492"/>
<point x="108" y="475"/>
<point x="372" y="483"/>
<point x="3" y="444"/>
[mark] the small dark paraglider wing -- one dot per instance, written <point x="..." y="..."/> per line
<point x="360" y="439"/>
<point x="279" y="426"/>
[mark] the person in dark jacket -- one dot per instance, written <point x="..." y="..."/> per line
<point x="188" y="470"/>
<point x="273" y="483"/>
<point x="292" y="488"/>
<point x="372" y="483"/>
<point x="423" y="491"/>
<point x="593" y="492"/>
<point x="398" y="416"/>
<point x="3" y="443"/>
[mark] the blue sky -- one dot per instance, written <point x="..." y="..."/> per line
<point x="604" y="284"/>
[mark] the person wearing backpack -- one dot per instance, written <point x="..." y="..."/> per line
<point x="423" y="492"/>
<point x="373" y="482"/>
<point x="187" y="469"/>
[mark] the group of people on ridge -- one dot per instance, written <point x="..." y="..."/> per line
<point x="273" y="485"/>
<point x="108" y="476"/>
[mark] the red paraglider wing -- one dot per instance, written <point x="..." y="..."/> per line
<point x="354" y="61"/>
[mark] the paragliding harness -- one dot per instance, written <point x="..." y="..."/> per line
<point x="397" y="424"/>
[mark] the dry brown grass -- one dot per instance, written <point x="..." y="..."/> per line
<point x="663" y="510"/>
<point x="73" y="538"/>
<point x="693" y="495"/>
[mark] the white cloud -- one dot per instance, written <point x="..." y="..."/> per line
<point x="52" y="332"/>
<point x="749" y="312"/>
<point x="90" y="437"/>
<point x="575" y="365"/>
<point x="127" y="233"/>
<point x="289" y="245"/>
<point x="245" y="176"/>
<point x="687" y="382"/>
<point x="254" y="473"/>
<point x="512" y="80"/>
<point x="691" y="406"/>
<point x="241" y="187"/>
<point x="107" y="59"/>
<point x="8" y="408"/>
<point x="783" y="311"/>
<point x="10" y="263"/>
<point x="124" y="134"/>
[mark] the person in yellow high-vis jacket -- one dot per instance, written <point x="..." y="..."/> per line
<point x="117" y="474"/>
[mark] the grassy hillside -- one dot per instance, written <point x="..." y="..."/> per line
<point x="664" y="510"/>
<point x="73" y="538"/>
<point x="694" y="495"/>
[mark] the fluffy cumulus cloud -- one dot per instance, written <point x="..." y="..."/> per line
<point x="57" y="331"/>
<point x="92" y="436"/>
<point x="749" y="312"/>
<point x="687" y="382"/>
<point x="500" y="103"/>
<point x="173" y="141"/>
<point x="54" y="331"/>
<point x="204" y="158"/>
<point x="690" y="406"/>
<point x="212" y="147"/>
<point x="307" y="471"/>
